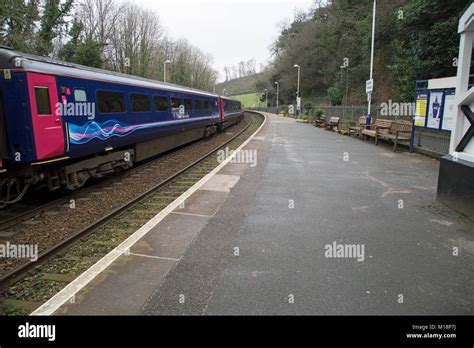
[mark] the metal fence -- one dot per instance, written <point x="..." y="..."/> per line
<point x="434" y="141"/>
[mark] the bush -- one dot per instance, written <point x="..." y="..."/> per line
<point x="303" y="116"/>
<point x="308" y="107"/>
<point x="318" y="113"/>
<point x="335" y="94"/>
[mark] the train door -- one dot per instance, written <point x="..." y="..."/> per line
<point x="47" y="124"/>
<point x="221" y="109"/>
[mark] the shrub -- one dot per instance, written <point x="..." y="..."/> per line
<point x="335" y="94"/>
<point x="308" y="107"/>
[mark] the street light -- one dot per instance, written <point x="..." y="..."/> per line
<point x="369" y="96"/>
<point x="278" y="85"/>
<point x="164" y="69"/>
<point x="347" y="81"/>
<point x="266" y="100"/>
<point x="298" y="90"/>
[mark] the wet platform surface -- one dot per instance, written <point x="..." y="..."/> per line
<point x="253" y="239"/>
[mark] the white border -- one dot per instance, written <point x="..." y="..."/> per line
<point x="67" y="293"/>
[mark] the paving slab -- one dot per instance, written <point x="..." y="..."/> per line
<point x="121" y="289"/>
<point x="221" y="183"/>
<point x="203" y="202"/>
<point x="171" y="237"/>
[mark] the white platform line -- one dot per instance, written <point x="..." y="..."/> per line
<point x="190" y="214"/>
<point x="154" y="257"/>
<point x="63" y="296"/>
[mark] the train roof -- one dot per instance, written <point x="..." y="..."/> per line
<point x="53" y="66"/>
<point x="229" y="98"/>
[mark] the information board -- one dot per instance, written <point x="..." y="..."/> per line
<point x="420" y="110"/>
<point x="449" y="112"/>
<point x="435" y="110"/>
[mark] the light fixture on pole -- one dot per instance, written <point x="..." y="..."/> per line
<point x="298" y="102"/>
<point x="278" y="85"/>
<point x="164" y="69"/>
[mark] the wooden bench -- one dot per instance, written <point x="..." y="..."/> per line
<point x="376" y="130"/>
<point x="333" y="122"/>
<point x="400" y="132"/>
<point x="320" y="122"/>
<point x="357" y="130"/>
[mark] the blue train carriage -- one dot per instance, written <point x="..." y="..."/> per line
<point x="63" y="123"/>
<point x="231" y="110"/>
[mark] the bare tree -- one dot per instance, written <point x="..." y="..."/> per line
<point x="134" y="42"/>
<point x="251" y="67"/>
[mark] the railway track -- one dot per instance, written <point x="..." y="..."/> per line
<point x="25" y="287"/>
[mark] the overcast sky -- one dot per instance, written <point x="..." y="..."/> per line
<point x="229" y="30"/>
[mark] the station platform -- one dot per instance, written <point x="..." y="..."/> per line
<point x="254" y="238"/>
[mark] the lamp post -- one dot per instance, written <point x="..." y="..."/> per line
<point x="347" y="85"/>
<point x="369" y="93"/>
<point x="298" y="91"/>
<point x="266" y="100"/>
<point x="278" y="85"/>
<point x="164" y="69"/>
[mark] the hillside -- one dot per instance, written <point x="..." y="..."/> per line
<point x="243" y="85"/>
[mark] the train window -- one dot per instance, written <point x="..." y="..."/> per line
<point x="197" y="105"/>
<point x="188" y="104"/>
<point x="110" y="102"/>
<point x="140" y="103"/>
<point x="43" y="107"/>
<point x="206" y="104"/>
<point x="175" y="103"/>
<point x="161" y="103"/>
<point x="80" y="95"/>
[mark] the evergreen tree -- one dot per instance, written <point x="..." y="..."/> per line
<point x="17" y="24"/>
<point x="84" y="52"/>
<point x="51" y="24"/>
